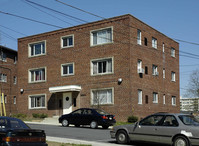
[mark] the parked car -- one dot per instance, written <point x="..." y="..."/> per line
<point x="13" y="132"/>
<point x="87" y="116"/>
<point x="165" y="128"/>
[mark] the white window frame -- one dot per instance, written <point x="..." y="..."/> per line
<point x="155" y="70"/>
<point x="36" y="69"/>
<point x="14" y="100"/>
<point x="172" y="52"/>
<point x="67" y="37"/>
<point x="43" y="50"/>
<point x="68" y="69"/>
<point x="95" y="66"/>
<point x="35" y="96"/>
<point x="3" y="56"/>
<point x="105" y="40"/>
<point x="139" y="96"/>
<point x="163" y="47"/>
<point x="173" y="100"/>
<point x="155" y="97"/>
<point x="173" y="76"/>
<point x="164" y="99"/>
<point x="154" y="43"/>
<point x="110" y="102"/>
<point x="139" y="66"/>
<point x="139" y="37"/>
<point x="15" y="80"/>
<point x="164" y="73"/>
<point x="3" y="78"/>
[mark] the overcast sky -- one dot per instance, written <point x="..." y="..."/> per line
<point x="178" y="19"/>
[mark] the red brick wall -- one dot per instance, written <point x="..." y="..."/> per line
<point x="125" y="53"/>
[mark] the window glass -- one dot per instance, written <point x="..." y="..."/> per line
<point x="37" y="49"/>
<point x="189" y="120"/>
<point x="37" y="75"/>
<point x="37" y="101"/>
<point x="102" y="66"/>
<point x="100" y="97"/>
<point x="152" y="120"/>
<point x="102" y="36"/>
<point x="67" y="69"/>
<point x="170" y="121"/>
<point x="154" y="43"/>
<point x="67" y="41"/>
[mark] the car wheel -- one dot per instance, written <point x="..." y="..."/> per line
<point x="65" y="123"/>
<point x="122" y="137"/>
<point x="181" y="141"/>
<point x="105" y="127"/>
<point x="93" y="124"/>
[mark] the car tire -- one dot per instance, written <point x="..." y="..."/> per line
<point x="93" y="125"/>
<point x="65" y="123"/>
<point x="181" y="141"/>
<point x="122" y="137"/>
<point x="105" y="127"/>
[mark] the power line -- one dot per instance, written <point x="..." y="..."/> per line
<point x="13" y="30"/>
<point x="30" y="19"/>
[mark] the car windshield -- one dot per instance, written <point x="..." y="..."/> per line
<point x="102" y="112"/>
<point x="189" y="120"/>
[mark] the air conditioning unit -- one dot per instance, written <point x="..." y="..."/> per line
<point x="156" y="73"/>
<point x="141" y="71"/>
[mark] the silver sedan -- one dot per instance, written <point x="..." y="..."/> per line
<point x="164" y="128"/>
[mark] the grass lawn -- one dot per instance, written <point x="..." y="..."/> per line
<point x="64" y="144"/>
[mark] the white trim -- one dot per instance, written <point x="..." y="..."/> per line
<point x="100" y="29"/>
<point x="67" y="36"/>
<point x="29" y="101"/>
<point x="101" y="59"/>
<point x="91" y="93"/>
<point x="66" y="64"/>
<point x="32" y="43"/>
<point x="65" y="88"/>
<point x="32" y="69"/>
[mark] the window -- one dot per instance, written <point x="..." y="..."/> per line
<point x="67" y="69"/>
<point x="3" y="56"/>
<point x="163" y="48"/>
<point x="102" y="66"/>
<point x="146" y="99"/>
<point x="3" y="77"/>
<point x="154" y="43"/>
<point x="37" y="101"/>
<point x="139" y="39"/>
<point x="101" y="36"/>
<point x="173" y="76"/>
<point x="139" y="67"/>
<point x="155" y="97"/>
<point x="154" y="120"/>
<point x="3" y="99"/>
<point x="172" y="52"/>
<point x="15" y="80"/>
<point x="37" y="49"/>
<point x="14" y="100"/>
<point x="67" y="41"/>
<point x="146" y="70"/>
<point x="163" y="72"/>
<point x="102" y="96"/>
<point x="173" y="100"/>
<point x="155" y="70"/>
<point x="164" y="99"/>
<point x="145" y="41"/>
<point x="170" y="121"/>
<point x="37" y="75"/>
<point x="15" y="60"/>
<point x="139" y="96"/>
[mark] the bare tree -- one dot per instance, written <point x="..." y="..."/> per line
<point x="193" y="86"/>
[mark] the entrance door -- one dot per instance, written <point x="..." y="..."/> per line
<point x="67" y="103"/>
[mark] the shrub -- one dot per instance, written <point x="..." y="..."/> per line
<point x="19" y="116"/>
<point x="132" y="119"/>
<point x="37" y="115"/>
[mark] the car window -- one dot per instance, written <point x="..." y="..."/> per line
<point x="102" y="112"/>
<point x="78" y="112"/>
<point x="189" y="120"/>
<point x="170" y="121"/>
<point x="18" y="124"/>
<point x="87" y="112"/>
<point x="152" y="120"/>
<point x="3" y="123"/>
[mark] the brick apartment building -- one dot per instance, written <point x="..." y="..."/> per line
<point x="8" y="79"/>
<point x="120" y="64"/>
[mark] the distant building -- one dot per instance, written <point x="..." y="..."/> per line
<point x="8" y="78"/>
<point x="121" y="65"/>
<point x="189" y="104"/>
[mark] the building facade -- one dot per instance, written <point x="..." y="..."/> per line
<point x="8" y="80"/>
<point x="120" y="64"/>
<point x="189" y="104"/>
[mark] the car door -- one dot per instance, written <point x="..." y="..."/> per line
<point x="75" y="117"/>
<point x="146" y="129"/>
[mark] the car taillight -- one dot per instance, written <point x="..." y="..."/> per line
<point x="104" y="117"/>
<point x="114" y="117"/>
<point x="24" y="139"/>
